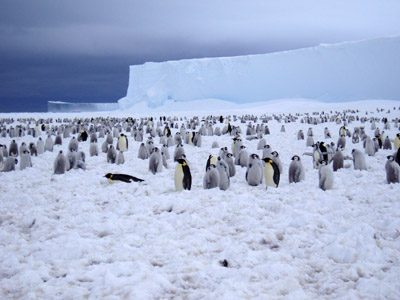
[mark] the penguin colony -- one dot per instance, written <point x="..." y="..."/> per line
<point x="251" y="150"/>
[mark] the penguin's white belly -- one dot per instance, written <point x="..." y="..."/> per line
<point x="178" y="178"/>
<point x="269" y="174"/>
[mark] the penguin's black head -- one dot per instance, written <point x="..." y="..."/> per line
<point x="296" y="158"/>
<point x="324" y="163"/>
<point x="181" y="161"/>
<point x="267" y="160"/>
<point x="275" y="154"/>
<point x="108" y="175"/>
<point x="390" y="157"/>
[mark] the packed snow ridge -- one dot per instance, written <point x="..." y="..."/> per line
<point x="340" y="72"/>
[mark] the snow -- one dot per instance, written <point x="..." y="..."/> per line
<point x="76" y="236"/>
<point x="348" y="71"/>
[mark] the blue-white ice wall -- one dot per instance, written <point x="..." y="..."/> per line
<point x="340" y="72"/>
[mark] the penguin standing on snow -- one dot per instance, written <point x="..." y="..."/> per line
<point x="212" y="160"/>
<point x="143" y="153"/>
<point x="358" y="160"/>
<point x="223" y="170"/>
<point x="122" y="144"/>
<point x="211" y="178"/>
<point x="338" y="159"/>
<point x="9" y="164"/>
<point x="254" y="173"/>
<point x="325" y="175"/>
<point x="111" y="155"/>
<point x="182" y="177"/>
<point x="296" y="170"/>
<point x="26" y="161"/>
<point x="271" y="172"/>
<point x="392" y="170"/>
<point x="155" y="161"/>
<point x="60" y="163"/>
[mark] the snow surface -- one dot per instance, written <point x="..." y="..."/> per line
<point x="340" y="72"/>
<point x="76" y="236"/>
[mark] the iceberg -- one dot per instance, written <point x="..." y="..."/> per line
<point x="347" y="71"/>
<point x="59" y="106"/>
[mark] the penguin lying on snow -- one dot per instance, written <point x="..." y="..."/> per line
<point x="121" y="177"/>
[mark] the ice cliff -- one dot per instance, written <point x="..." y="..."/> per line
<point x="340" y="72"/>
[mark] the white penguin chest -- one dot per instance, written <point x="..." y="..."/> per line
<point x="269" y="175"/>
<point x="178" y="177"/>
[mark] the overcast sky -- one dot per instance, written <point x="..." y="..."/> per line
<point x="80" y="51"/>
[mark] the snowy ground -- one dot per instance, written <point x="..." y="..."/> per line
<point x="75" y="236"/>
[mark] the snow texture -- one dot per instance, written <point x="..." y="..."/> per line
<point x="76" y="236"/>
<point x="340" y="72"/>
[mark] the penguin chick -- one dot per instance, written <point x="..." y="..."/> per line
<point x="296" y="170"/>
<point x="392" y="170"/>
<point x="121" y="177"/>
<point x="155" y="161"/>
<point x="9" y="164"/>
<point x="223" y="170"/>
<point x="60" y="163"/>
<point x="358" y="160"/>
<point x="111" y="155"/>
<point x="211" y="178"/>
<point x="254" y="173"/>
<point x="338" y="160"/>
<point x="325" y="175"/>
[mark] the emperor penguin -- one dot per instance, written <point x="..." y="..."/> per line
<point x="60" y="163"/>
<point x="323" y="151"/>
<point x="310" y="141"/>
<point x="165" y="151"/>
<point x="224" y="178"/>
<point x="242" y="159"/>
<point x="397" y="142"/>
<point x="120" y="158"/>
<point x="73" y="144"/>
<point x="211" y="178"/>
<point x="215" y="145"/>
<point x="83" y="136"/>
<point x="26" y="161"/>
<point x="197" y="140"/>
<point x="32" y="149"/>
<point x="236" y="146"/>
<point x="3" y="148"/>
<point x="109" y="138"/>
<point x="155" y="161"/>
<point x="22" y="148"/>
<point x="392" y="170"/>
<point x="325" y="175"/>
<point x="93" y="137"/>
<point x="72" y="160"/>
<point x="296" y="170"/>
<point x="231" y="166"/>
<point x="178" y="138"/>
<point x="327" y="133"/>
<point x="310" y="132"/>
<point x="355" y="138"/>
<point x="149" y="145"/>
<point x="338" y="159"/>
<point x="40" y="146"/>
<point x="277" y="160"/>
<point x="341" y="142"/>
<point x="254" y="173"/>
<point x="271" y="173"/>
<point x="111" y="155"/>
<point x="300" y="135"/>
<point x="104" y="147"/>
<point x="179" y="151"/>
<point x="9" y="164"/>
<point x="122" y="144"/>
<point x="342" y="131"/>
<point x="122" y="177"/>
<point x="387" y="144"/>
<point x="13" y="149"/>
<point x="182" y="177"/>
<point x="143" y="153"/>
<point x="369" y="147"/>
<point x="58" y="140"/>
<point x="93" y="149"/>
<point x="317" y="156"/>
<point x="358" y="160"/>
<point x="49" y="143"/>
<point x="212" y="160"/>
<point x="223" y="152"/>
